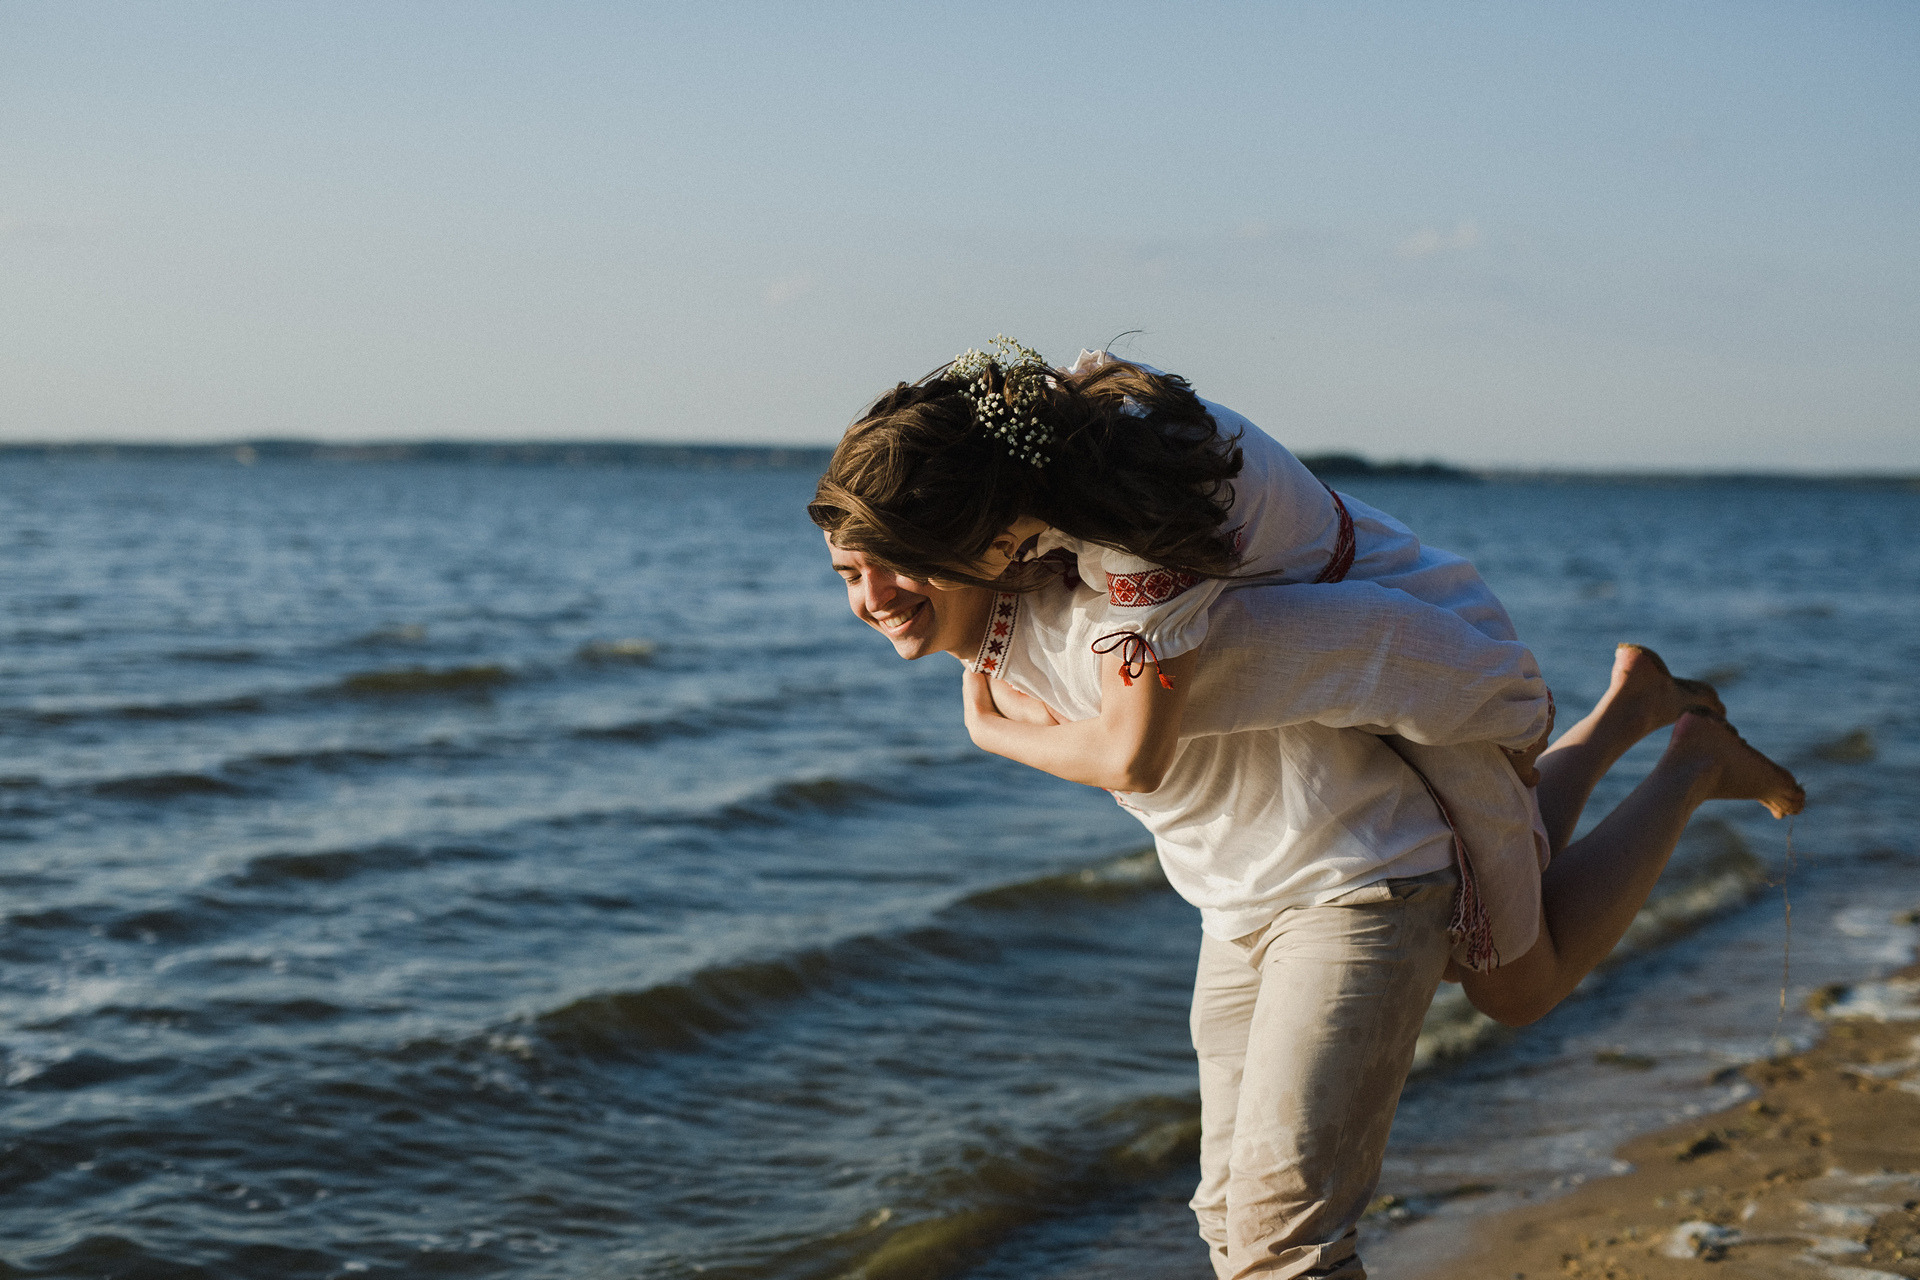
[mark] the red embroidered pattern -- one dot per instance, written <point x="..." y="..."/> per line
<point x="1157" y="586"/>
<point x="1143" y="590"/>
<point x="1343" y="545"/>
<point x="995" y="645"/>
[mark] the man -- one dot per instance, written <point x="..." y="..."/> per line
<point x="1324" y="870"/>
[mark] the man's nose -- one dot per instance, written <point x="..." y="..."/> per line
<point x="880" y="589"/>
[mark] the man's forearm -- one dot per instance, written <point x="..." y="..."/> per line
<point x="1078" y="751"/>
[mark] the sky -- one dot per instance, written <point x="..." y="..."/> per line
<point x="1622" y="236"/>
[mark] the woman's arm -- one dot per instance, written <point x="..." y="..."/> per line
<point x="1357" y="654"/>
<point x="1127" y="747"/>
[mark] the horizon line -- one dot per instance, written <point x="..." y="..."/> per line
<point x="250" y="450"/>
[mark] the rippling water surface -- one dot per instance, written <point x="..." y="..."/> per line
<point x="527" y="871"/>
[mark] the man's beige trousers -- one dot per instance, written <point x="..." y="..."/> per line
<point x="1305" y="1031"/>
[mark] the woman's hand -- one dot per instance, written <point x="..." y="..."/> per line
<point x="1524" y="760"/>
<point x="976" y="703"/>
<point x="983" y="700"/>
<point x="1127" y="747"/>
<point x="1015" y="705"/>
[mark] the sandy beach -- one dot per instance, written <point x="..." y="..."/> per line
<point x="1816" y="1173"/>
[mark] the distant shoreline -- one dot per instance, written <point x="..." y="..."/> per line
<point x="724" y="457"/>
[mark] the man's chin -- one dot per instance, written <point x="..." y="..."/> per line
<point x="910" y="647"/>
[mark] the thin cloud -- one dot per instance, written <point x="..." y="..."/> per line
<point x="787" y="288"/>
<point x="1431" y="240"/>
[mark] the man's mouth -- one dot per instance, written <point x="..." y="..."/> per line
<point x="893" y="623"/>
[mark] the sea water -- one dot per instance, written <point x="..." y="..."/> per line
<point x="427" y="869"/>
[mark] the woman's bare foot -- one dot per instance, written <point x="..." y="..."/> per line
<point x="1641" y="681"/>
<point x="1728" y="768"/>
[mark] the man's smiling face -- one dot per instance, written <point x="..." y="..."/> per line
<point x="917" y="618"/>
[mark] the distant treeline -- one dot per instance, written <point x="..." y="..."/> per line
<point x="1332" y="466"/>
<point x="585" y="453"/>
<point x="737" y="457"/>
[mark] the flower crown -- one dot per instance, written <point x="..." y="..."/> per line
<point x="1008" y="416"/>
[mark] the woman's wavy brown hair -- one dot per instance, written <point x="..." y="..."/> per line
<point x="1137" y="464"/>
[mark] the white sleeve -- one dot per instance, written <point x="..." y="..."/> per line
<point x="1356" y="654"/>
<point x="1164" y="607"/>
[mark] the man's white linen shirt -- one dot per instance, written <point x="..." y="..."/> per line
<point x="1280" y="794"/>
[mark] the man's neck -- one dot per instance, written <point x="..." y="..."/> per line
<point x="969" y="638"/>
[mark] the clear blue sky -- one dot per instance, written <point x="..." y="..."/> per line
<point x="1614" y="235"/>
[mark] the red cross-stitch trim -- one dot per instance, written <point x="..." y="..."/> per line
<point x="998" y="642"/>
<point x="1146" y="589"/>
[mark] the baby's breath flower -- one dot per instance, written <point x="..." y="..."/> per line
<point x="1008" y="416"/>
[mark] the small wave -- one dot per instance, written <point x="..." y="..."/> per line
<point x="227" y="657"/>
<point x="992" y="1194"/>
<point x="406" y="681"/>
<point x="400" y="633"/>
<point x="325" y="758"/>
<point x="1856" y="747"/>
<point x="631" y="650"/>
<point x="187" y="710"/>
<point x="832" y="794"/>
<point x="21" y="809"/>
<point x="163" y="1016"/>
<point x="164" y="786"/>
<point x="45" y="635"/>
<point x="683" y="1015"/>
<point x="941" y="1246"/>
<point x="193" y="920"/>
<point x="781" y="803"/>
<point x="645" y="732"/>
<point x="275" y="869"/>
<point x="80" y="1071"/>
<point x="280" y="1011"/>
<point x="1161" y="1134"/>
<point x="1115" y="880"/>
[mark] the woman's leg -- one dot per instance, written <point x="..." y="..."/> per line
<point x="1594" y="888"/>
<point x="1642" y="696"/>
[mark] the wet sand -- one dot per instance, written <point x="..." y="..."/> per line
<point x="1816" y="1174"/>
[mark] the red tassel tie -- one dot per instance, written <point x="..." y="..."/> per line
<point x="1135" y="654"/>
